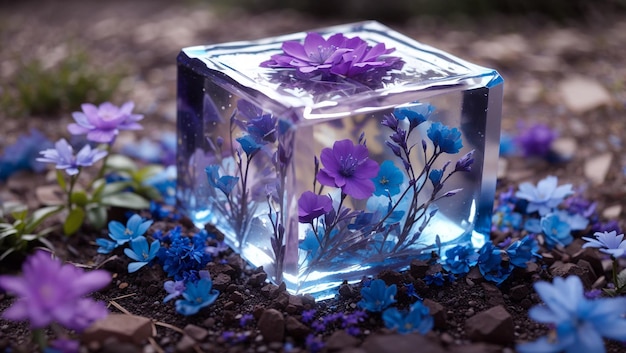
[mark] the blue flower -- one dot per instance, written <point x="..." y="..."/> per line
<point x="448" y="140"/>
<point x="263" y="128"/>
<point x="63" y="156"/>
<point x="416" y="114"/>
<point x="105" y="245"/>
<point x="435" y="176"/>
<point x="579" y="323"/>
<point x="225" y="183"/>
<point x="459" y="259"/>
<point x="523" y="250"/>
<point x="556" y="231"/>
<point x="490" y="264"/>
<point x="608" y="242"/>
<point x="545" y="196"/>
<point x="197" y="296"/>
<point x="436" y="279"/>
<point x="22" y="155"/>
<point x="141" y="252"/>
<point x="377" y="296"/>
<point x="165" y="183"/>
<point x="135" y="227"/>
<point x="388" y="180"/>
<point x="185" y="257"/>
<point x="417" y="319"/>
<point x="249" y="145"/>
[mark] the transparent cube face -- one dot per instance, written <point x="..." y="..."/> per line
<point x="321" y="182"/>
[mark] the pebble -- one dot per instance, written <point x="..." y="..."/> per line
<point x="597" y="167"/>
<point x="612" y="212"/>
<point x="583" y="94"/>
<point x="296" y="328"/>
<point x="340" y="340"/>
<point x="195" y="332"/>
<point x="438" y="312"/>
<point x="396" y="343"/>
<point x="494" y="325"/>
<point x="124" y="328"/>
<point x="272" y="325"/>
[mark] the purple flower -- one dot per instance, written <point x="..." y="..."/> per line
<point x="545" y="196"/>
<point x="63" y="156"/>
<point x="465" y="163"/>
<point x="347" y="166"/>
<point x="103" y="123"/>
<point x="63" y="345"/>
<point x="536" y="140"/>
<point x="308" y="315"/>
<point x="608" y="242"/>
<point x="311" y="206"/>
<point x="448" y="140"/>
<point x="49" y="291"/>
<point x="339" y="55"/>
<point x="245" y="319"/>
<point x="174" y="289"/>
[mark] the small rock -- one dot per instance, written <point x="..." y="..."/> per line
<point x="195" y="332"/>
<point x="340" y="340"/>
<point x="296" y="328"/>
<point x="612" y="212"/>
<point x="221" y="282"/>
<point x="281" y="301"/>
<point x="237" y="297"/>
<point x="493" y="325"/>
<point x="505" y="48"/>
<point x="438" y="312"/>
<point x="581" y="94"/>
<point x="220" y="268"/>
<point x="597" y="167"/>
<point x="391" y="277"/>
<point x="119" y="347"/>
<point x="395" y="343"/>
<point x="257" y="279"/>
<point x="565" y="148"/>
<point x="295" y="304"/>
<point x="236" y="263"/>
<point x="418" y="268"/>
<point x="519" y="292"/>
<point x="346" y="290"/>
<point x="124" y="328"/>
<point x="268" y="289"/>
<point x="560" y="269"/>
<point x="477" y="348"/>
<point x="185" y="345"/>
<point x="272" y="325"/>
<point x="493" y="295"/>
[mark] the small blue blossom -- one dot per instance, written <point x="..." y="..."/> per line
<point x="22" y="155"/>
<point x="135" y="227"/>
<point x="448" y="140"/>
<point x="545" y="196"/>
<point x="313" y="343"/>
<point x="245" y="319"/>
<point x="522" y="251"/>
<point x="388" y="180"/>
<point x="141" y="252"/>
<point x="308" y="315"/>
<point x="490" y="264"/>
<point x="459" y="259"/>
<point x="262" y="128"/>
<point x="607" y="242"/>
<point x="185" y="256"/>
<point x="417" y="319"/>
<point x="197" y="296"/>
<point x="377" y="296"/>
<point x="105" y="245"/>
<point x="165" y="183"/>
<point x="437" y="279"/>
<point x="579" y="323"/>
<point x="556" y="231"/>
<point x="410" y="291"/>
<point x="249" y="145"/>
<point x="435" y="176"/>
<point x="416" y="114"/>
<point x="224" y="183"/>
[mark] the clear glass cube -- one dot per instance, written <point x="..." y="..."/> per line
<point x="321" y="178"/>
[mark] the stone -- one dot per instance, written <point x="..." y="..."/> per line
<point x="124" y="328"/>
<point x="438" y="312"/>
<point x="505" y="48"/>
<point x="221" y="282"/>
<point x="582" y="94"/>
<point x="493" y="295"/>
<point x="561" y="269"/>
<point x="296" y="328"/>
<point x="391" y="277"/>
<point x="237" y="297"/>
<point x="396" y="343"/>
<point x="185" y="345"/>
<point x="195" y="332"/>
<point x="519" y="292"/>
<point x="257" y="279"/>
<point x="612" y="212"/>
<point x="340" y="340"/>
<point x="418" y="268"/>
<point x="597" y="167"/>
<point x="272" y="325"/>
<point x="476" y="348"/>
<point x="565" y="148"/>
<point x="494" y="325"/>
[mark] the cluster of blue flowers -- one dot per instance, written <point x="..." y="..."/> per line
<point x="183" y="258"/>
<point x="547" y="210"/>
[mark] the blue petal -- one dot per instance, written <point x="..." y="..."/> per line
<point x="134" y="266"/>
<point x="542" y="345"/>
<point x="132" y="255"/>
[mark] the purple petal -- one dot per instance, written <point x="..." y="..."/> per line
<point x="102" y="136"/>
<point x="295" y="49"/>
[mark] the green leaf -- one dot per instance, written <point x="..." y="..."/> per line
<point x="97" y="216"/>
<point x="79" y="198"/>
<point x="621" y="280"/>
<point x="74" y="221"/>
<point x="61" y="180"/>
<point x="147" y="172"/>
<point x="126" y="200"/>
<point x="39" y="216"/>
<point x="115" y="188"/>
<point x="98" y="186"/>
<point x="118" y="162"/>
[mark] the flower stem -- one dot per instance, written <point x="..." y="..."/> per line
<point x="39" y="337"/>
<point x="70" y="189"/>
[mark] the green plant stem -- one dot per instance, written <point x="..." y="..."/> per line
<point x="617" y="286"/>
<point x="104" y="165"/>
<point x="39" y="337"/>
<point x="73" y="179"/>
